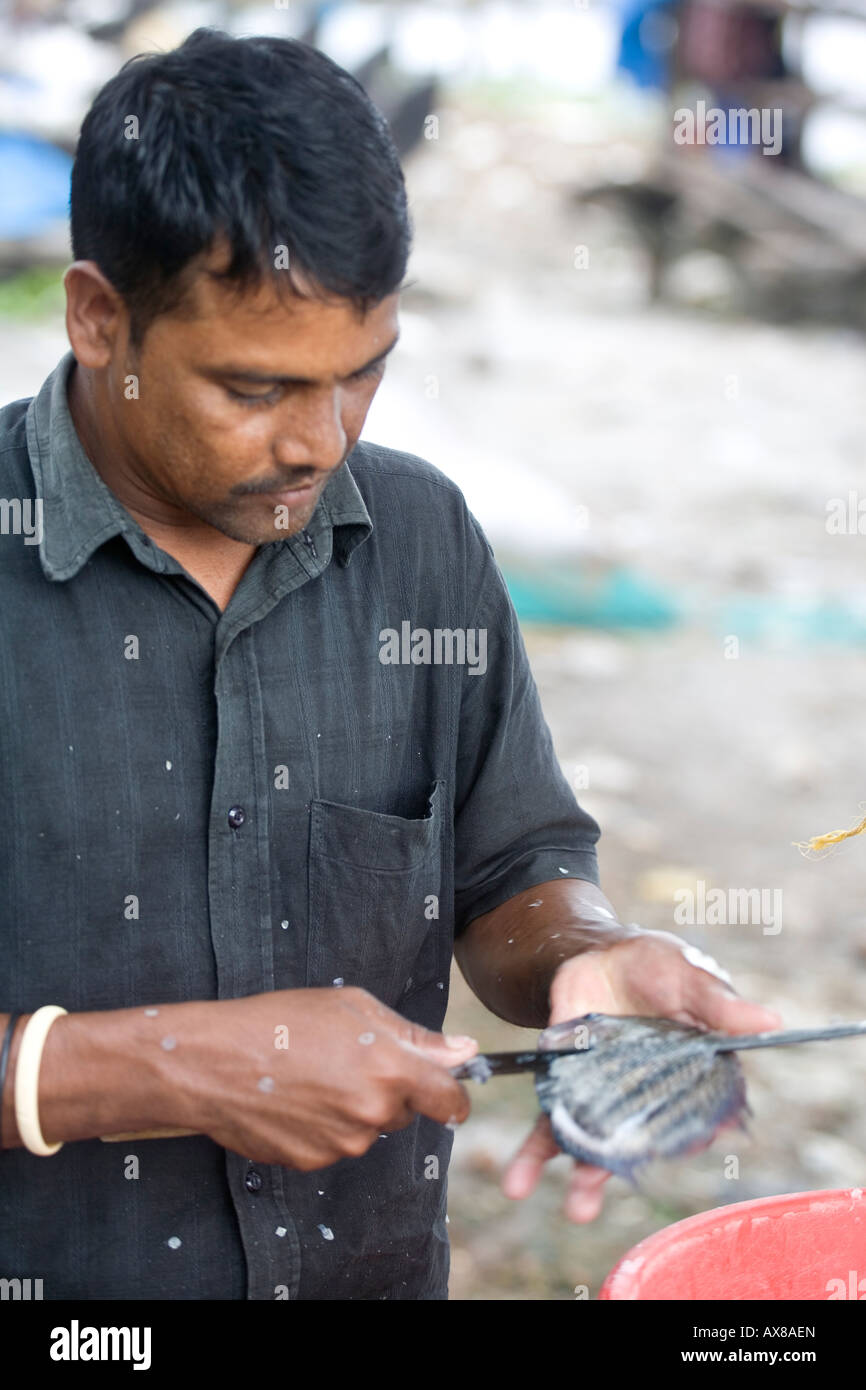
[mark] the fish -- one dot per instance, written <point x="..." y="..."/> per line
<point x="623" y="1091"/>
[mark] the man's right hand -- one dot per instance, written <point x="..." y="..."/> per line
<point x="306" y="1077"/>
<point x="300" y="1077"/>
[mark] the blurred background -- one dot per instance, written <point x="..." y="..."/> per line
<point x="635" y="340"/>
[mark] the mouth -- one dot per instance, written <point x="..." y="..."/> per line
<point x="291" y="497"/>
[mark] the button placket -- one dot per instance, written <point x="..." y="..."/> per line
<point x="239" y="875"/>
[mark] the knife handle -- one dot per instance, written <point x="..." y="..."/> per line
<point x="147" y="1134"/>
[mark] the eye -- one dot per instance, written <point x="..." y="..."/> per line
<point x="251" y="401"/>
<point x="245" y="399"/>
<point x="375" y="370"/>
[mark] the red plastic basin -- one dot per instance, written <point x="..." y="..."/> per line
<point x="801" y="1245"/>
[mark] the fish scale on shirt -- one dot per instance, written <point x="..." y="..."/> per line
<point x="134" y="718"/>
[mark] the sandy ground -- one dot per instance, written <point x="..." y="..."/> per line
<point x="700" y="450"/>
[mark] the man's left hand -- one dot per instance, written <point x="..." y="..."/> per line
<point x="652" y="975"/>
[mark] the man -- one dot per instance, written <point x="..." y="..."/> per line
<point x="249" y="814"/>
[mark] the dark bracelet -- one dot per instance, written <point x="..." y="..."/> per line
<point x="4" y="1063"/>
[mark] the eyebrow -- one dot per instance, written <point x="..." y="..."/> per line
<point x="270" y="379"/>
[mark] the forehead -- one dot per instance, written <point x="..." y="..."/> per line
<point x="289" y="318"/>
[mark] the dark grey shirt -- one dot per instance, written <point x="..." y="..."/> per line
<point x="204" y="805"/>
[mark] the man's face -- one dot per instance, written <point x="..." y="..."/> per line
<point x="245" y="399"/>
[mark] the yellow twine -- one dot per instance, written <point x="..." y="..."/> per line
<point x="819" y="842"/>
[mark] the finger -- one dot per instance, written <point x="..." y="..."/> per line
<point x="524" y="1170"/>
<point x="707" y="963"/>
<point x="446" y="1049"/>
<point x="711" y="1004"/>
<point x="432" y="1091"/>
<point x="585" y="1193"/>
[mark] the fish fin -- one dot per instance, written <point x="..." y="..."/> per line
<point x="573" y="1139"/>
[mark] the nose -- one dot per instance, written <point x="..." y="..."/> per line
<point x="311" y="430"/>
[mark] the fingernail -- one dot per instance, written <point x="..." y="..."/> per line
<point x="458" y="1041"/>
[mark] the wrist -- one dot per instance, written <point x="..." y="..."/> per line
<point x="587" y="944"/>
<point x="106" y="1072"/>
<point x="182" y="1045"/>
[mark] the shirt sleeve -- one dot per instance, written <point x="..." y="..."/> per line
<point x="517" y="820"/>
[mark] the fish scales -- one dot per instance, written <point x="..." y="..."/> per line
<point x="632" y="1096"/>
<point x="650" y="1080"/>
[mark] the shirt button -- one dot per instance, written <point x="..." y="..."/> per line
<point x="253" y="1181"/>
<point x="237" y="816"/>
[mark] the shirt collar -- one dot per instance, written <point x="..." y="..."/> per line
<point x="80" y="513"/>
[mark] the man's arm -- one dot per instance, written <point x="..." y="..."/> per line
<point x="556" y="951"/>
<point x="509" y="956"/>
<point x="296" y="1077"/>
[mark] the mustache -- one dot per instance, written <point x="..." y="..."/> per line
<point x="295" y="479"/>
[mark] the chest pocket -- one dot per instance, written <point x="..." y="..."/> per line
<point x="371" y="881"/>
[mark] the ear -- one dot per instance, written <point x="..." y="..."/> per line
<point x="96" y="316"/>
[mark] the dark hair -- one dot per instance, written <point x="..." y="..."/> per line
<point x="262" y="141"/>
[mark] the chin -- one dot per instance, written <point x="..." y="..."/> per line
<point x="251" y="530"/>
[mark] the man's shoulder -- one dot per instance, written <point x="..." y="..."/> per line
<point x="13" y="420"/>
<point x="13" y="438"/>
<point x="404" y="492"/>
<point x="374" y="462"/>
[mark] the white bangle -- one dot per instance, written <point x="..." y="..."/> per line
<point x="27" y="1079"/>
